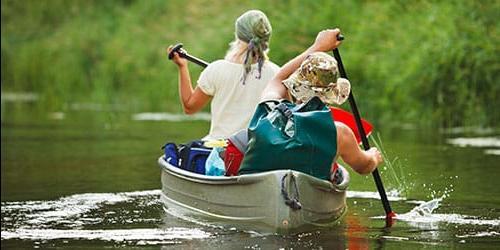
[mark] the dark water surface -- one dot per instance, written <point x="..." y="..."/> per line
<point x="88" y="178"/>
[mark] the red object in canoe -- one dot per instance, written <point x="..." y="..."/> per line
<point x="340" y="115"/>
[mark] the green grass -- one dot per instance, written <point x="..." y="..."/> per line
<point x="427" y="62"/>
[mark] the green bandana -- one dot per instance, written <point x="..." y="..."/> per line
<point x="254" y="28"/>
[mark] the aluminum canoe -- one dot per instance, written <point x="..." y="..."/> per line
<point x="281" y="201"/>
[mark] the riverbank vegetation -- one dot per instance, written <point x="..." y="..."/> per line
<point x="426" y="62"/>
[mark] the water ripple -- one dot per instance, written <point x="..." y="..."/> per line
<point x="142" y="236"/>
<point x="171" y="117"/>
<point x="74" y="211"/>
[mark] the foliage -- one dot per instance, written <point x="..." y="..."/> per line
<point x="429" y="62"/>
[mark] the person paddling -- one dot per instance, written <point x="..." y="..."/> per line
<point x="235" y="83"/>
<point x="314" y="73"/>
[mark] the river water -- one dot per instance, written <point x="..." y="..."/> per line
<point x="87" y="177"/>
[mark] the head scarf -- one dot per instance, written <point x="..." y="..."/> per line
<point x="254" y="28"/>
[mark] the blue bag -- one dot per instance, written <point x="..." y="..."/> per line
<point x="171" y="154"/>
<point x="193" y="156"/>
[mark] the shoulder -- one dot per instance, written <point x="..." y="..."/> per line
<point x="222" y="66"/>
<point x="274" y="67"/>
<point x="214" y="69"/>
<point x="343" y="131"/>
<point x="216" y="64"/>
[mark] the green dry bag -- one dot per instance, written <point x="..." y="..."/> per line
<point x="283" y="135"/>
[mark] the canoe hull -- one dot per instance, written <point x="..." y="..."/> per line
<point x="255" y="201"/>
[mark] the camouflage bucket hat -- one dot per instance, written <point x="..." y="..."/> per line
<point x="318" y="75"/>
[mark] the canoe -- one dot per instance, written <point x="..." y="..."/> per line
<point x="281" y="201"/>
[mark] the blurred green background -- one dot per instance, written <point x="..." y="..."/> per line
<point x="432" y="63"/>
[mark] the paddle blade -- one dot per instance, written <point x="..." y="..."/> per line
<point x="390" y="219"/>
<point x="340" y="115"/>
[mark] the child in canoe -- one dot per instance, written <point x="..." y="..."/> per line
<point x="314" y="73"/>
<point x="234" y="84"/>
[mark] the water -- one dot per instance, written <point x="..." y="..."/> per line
<point x="87" y="177"/>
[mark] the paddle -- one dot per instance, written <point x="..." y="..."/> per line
<point x="366" y="145"/>
<point x="339" y="114"/>
<point x="183" y="53"/>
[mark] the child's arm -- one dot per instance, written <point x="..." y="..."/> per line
<point x="326" y="40"/>
<point x="363" y="162"/>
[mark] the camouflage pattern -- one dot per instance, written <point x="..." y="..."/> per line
<point x="318" y="75"/>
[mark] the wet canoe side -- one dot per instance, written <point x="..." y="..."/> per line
<point x="254" y="201"/>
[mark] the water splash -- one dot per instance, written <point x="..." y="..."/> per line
<point x="422" y="210"/>
<point x="422" y="216"/>
<point x="394" y="167"/>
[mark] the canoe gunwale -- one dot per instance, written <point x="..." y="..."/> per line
<point x="252" y="178"/>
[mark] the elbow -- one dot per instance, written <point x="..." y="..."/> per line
<point x="190" y="108"/>
<point x="189" y="111"/>
<point x="365" y="169"/>
<point x="274" y="90"/>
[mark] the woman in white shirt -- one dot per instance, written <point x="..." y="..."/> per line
<point x="234" y="84"/>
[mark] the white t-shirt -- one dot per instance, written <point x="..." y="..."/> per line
<point x="233" y="103"/>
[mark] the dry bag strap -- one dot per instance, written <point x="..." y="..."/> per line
<point x="293" y="202"/>
<point x="285" y="110"/>
<point x="270" y="104"/>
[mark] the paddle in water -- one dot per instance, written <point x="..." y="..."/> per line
<point x="389" y="214"/>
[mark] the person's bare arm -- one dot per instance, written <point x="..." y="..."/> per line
<point x="363" y="162"/>
<point x="192" y="100"/>
<point x="326" y="40"/>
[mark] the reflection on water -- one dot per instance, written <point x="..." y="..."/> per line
<point x="136" y="218"/>
<point x="469" y="130"/>
<point x="480" y="234"/>
<point x="145" y="236"/>
<point x="492" y="143"/>
<point x="18" y="96"/>
<point x="492" y="151"/>
<point x="75" y="211"/>
<point x="476" y="142"/>
<point x="392" y="195"/>
<point x="57" y="115"/>
<point x="171" y="117"/>
<point x="68" y="180"/>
